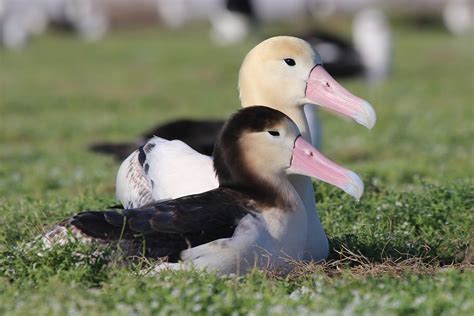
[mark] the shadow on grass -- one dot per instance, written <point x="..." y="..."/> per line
<point x="433" y="223"/>
<point x="379" y="252"/>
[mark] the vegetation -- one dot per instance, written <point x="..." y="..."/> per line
<point x="403" y="249"/>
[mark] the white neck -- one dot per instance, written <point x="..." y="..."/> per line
<point x="288" y="225"/>
<point x="317" y="246"/>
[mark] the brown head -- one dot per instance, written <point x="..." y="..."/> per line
<point x="259" y="147"/>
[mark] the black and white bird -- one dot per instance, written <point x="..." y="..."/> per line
<point x="255" y="218"/>
<point x="282" y="71"/>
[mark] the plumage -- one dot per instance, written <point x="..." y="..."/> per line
<point x="165" y="177"/>
<point x="136" y="192"/>
<point x="167" y="228"/>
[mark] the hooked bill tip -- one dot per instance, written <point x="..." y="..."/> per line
<point x="356" y="187"/>
<point x="367" y="116"/>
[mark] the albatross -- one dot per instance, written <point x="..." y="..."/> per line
<point x="284" y="72"/>
<point x="254" y="218"/>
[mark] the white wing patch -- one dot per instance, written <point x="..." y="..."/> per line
<point x="171" y="169"/>
<point x="133" y="188"/>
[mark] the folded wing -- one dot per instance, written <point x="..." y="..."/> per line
<point x="167" y="228"/>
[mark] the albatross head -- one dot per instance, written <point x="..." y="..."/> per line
<point x="286" y="72"/>
<point x="259" y="146"/>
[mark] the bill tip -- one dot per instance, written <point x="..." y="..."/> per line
<point x="356" y="187"/>
<point x="366" y="116"/>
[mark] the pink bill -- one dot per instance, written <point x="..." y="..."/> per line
<point x="324" y="90"/>
<point x="308" y="161"/>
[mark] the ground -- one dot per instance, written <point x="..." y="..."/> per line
<point x="403" y="249"/>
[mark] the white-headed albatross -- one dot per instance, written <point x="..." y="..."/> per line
<point x="284" y="72"/>
<point x="255" y="218"/>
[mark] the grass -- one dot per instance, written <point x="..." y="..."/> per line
<point x="404" y="249"/>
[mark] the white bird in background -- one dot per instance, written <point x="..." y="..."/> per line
<point x="284" y="72"/>
<point x="255" y="218"/>
<point x="369" y="53"/>
<point x="373" y="41"/>
<point x="20" y="20"/>
<point x="458" y="16"/>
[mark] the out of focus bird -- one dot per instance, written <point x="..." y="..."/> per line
<point x="367" y="55"/>
<point x="373" y="41"/>
<point x="21" y="20"/>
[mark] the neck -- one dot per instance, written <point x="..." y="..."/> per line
<point x="297" y="114"/>
<point x="268" y="192"/>
<point x="291" y="197"/>
<point x="317" y="246"/>
<point x="302" y="184"/>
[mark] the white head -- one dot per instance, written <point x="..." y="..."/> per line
<point x="287" y="72"/>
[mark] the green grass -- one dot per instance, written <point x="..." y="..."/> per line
<point x="60" y="94"/>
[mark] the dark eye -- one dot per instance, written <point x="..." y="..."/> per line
<point x="274" y="133"/>
<point x="290" y="61"/>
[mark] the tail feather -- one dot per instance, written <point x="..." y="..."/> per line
<point x="109" y="228"/>
<point x="126" y="230"/>
<point x="109" y="225"/>
<point x="119" y="151"/>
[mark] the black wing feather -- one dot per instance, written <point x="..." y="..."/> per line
<point x="171" y="226"/>
<point x="199" y="135"/>
<point x="97" y="225"/>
